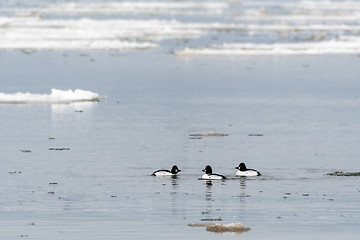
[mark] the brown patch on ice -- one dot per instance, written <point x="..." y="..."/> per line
<point x="255" y="135"/>
<point x="237" y="228"/>
<point x="232" y="227"/>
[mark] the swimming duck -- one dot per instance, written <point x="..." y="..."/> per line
<point x="174" y="170"/>
<point x="246" y="172"/>
<point x="211" y="176"/>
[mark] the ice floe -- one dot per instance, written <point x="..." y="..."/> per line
<point x="231" y="227"/>
<point x="339" y="46"/>
<point x="56" y="96"/>
<point x="262" y="27"/>
<point x="127" y="7"/>
<point x="305" y="4"/>
<point x="119" y="34"/>
<point x="237" y="228"/>
<point x="34" y="33"/>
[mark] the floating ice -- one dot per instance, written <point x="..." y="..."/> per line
<point x="237" y="228"/>
<point x="339" y="46"/>
<point x="283" y="23"/>
<point x="325" y="5"/>
<point x="35" y="33"/>
<point x="127" y="7"/>
<point x="185" y="7"/>
<point x="305" y="5"/>
<point x="255" y="15"/>
<point x="232" y="227"/>
<point x="305" y="12"/>
<point x="56" y="96"/>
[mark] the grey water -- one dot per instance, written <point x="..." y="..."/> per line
<point x="100" y="187"/>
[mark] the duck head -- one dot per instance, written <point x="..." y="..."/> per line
<point x="208" y="169"/>
<point x="175" y="170"/>
<point x="241" y="167"/>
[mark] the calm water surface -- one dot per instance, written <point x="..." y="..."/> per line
<point x="307" y="109"/>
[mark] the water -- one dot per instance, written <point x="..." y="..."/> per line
<point x="99" y="186"/>
<point x="104" y="188"/>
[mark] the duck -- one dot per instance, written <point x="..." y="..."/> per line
<point x="173" y="172"/>
<point x="211" y="176"/>
<point x="243" y="171"/>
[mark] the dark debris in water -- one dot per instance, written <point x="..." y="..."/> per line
<point x="59" y="149"/>
<point x="211" y="219"/>
<point x="195" y="138"/>
<point x="210" y="134"/>
<point x="25" y="151"/>
<point x="255" y="135"/>
<point x="344" y="174"/>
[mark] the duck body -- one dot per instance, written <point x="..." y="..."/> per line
<point x="243" y="171"/>
<point x="211" y="176"/>
<point x="173" y="172"/>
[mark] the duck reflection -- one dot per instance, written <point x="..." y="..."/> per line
<point x="174" y="182"/>
<point x="242" y="193"/>
<point x="208" y="192"/>
<point x="242" y="181"/>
